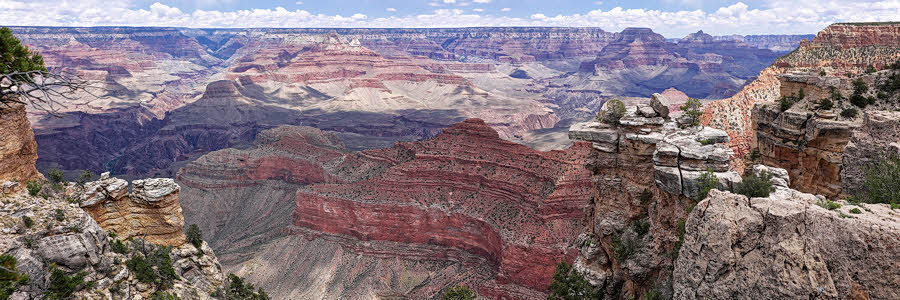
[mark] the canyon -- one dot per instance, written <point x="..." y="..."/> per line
<point x="373" y="87"/>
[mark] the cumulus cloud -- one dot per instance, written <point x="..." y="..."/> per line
<point x="772" y="17"/>
<point x="481" y="1"/>
<point x="478" y="9"/>
<point x="391" y="9"/>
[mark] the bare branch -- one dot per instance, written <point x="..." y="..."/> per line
<point x="46" y="91"/>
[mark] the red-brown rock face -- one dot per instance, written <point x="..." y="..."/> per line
<point x="18" y="151"/>
<point x="503" y="214"/>
<point x="848" y="35"/>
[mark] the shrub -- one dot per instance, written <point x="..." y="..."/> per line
<point x="624" y="247"/>
<point x="118" y="246"/>
<point x="59" y="215"/>
<point x="835" y="94"/>
<point x="646" y="196"/>
<point x="237" y="290"/>
<point x="614" y="111"/>
<point x="829" y="205"/>
<point x="86" y="176"/>
<point x="640" y="227"/>
<point x="785" y="103"/>
<point x="680" y="229"/>
<point x="753" y="185"/>
<point x="459" y="292"/>
<point x="160" y="295"/>
<point x="162" y="261"/>
<point x="10" y="278"/>
<point x="568" y="283"/>
<point x="754" y="154"/>
<point x="706" y="183"/>
<point x="826" y="104"/>
<point x="870" y="70"/>
<point x="849" y="113"/>
<point x="194" y="235"/>
<point x="860" y="87"/>
<point x="56" y="176"/>
<point x="27" y="221"/>
<point x="705" y="142"/>
<point x="801" y="95"/>
<point x="62" y="286"/>
<point x="693" y="111"/>
<point x="855" y="211"/>
<point x="881" y="184"/>
<point x="859" y="101"/>
<point x="519" y="74"/>
<point x="822" y="73"/>
<point x="141" y="269"/>
<point x="33" y="187"/>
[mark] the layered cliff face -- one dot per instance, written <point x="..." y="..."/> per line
<point x="787" y="245"/>
<point x="840" y="61"/>
<point x="18" y="152"/>
<point x="646" y="173"/>
<point x="149" y="211"/>
<point x="462" y="207"/>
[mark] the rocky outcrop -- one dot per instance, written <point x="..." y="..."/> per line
<point x="646" y="174"/>
<point x="150" y="211"/>
<point x="59" y="234"/>
<point x="18" y="150"/>
<point x="878" y="134"/>
<point x="463" y="200"/>
<point x="787" y="245"/>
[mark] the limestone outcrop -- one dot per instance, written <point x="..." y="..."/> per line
<point x="788" y="246"/>
<point x="59" y="234"/>
<point x="18" y="150"/>
<point x="646" y="173"/>
<point x="150" y="211"/>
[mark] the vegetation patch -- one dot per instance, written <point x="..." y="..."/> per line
<point x="62" y="285"/>
<point x="753" y="185"/>
<point x="10" y="278"/>
<point x="459" y="292"/>
<point x="614" y="111"/>
<point x="568" y="283"/>
<point x="693" y="110"/>
<point x="881" y="184"/>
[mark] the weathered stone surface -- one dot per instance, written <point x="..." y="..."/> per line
<point x="18" y="150"/>
<point x="879" y="133"/>
<point x="150" y="211"/>
<point x="785" y="247"/>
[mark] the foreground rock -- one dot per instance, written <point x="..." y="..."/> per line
<point x="787" y="246"/>
<point x="150" y="211"/>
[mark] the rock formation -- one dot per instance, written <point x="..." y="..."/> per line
<point x="150" y="211"/>
<point x="645" y="175"/>
<point x="462" y="207"/>
<point x="787" y="245"/>
<point x="18" y="152"/>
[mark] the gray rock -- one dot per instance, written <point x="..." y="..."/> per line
<point x="658" y="106"/>
<point x="154" y="189"/>
<point x="668" y="179"/>
<point x="646" y="111"/>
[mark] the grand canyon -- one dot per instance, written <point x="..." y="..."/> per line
<point x="422" y="163"/>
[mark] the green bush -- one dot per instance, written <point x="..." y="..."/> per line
<point x="785" y="103"/>
<point x="86" y="176"/>
<point x="27" y="221"/>
<point x="870" y="70"/>
<point x="568" y="283"/>
<point x="822" y="73"/>
<point x="238" y="290"/>
<point x="59" y="215"/>
<point x="10" y="278"/>
<point x="646" y="196"/>
<point x="826" y="104"/>
<point x="855" y="211"/>
<point x="194" y="235"/>
<point x="693" y="110"/>
<point x="680" y="229"/>
<point x="707" y="182"/>
<point x="860" y="87"/>
<point x="849" y="113"/>
<point x="160" y="295"/>
<point x="141" y="268"/>
<point x="624" y="247"/>
<point x="118" y="246"/>
<point x="640" y="227"/>
<point x="705" y="142"/>
<point x="881" y="184"/>
<point x="156" y="268"/>
<point x="614" y="111"/>
<point x="519" y="74"/>
<point x="829" y="205"/>
<point x="34" y="187"/>
<point x="56" y="176"/>
<point x="459" y="292"/>
<point x="61" y="285"/>
<point x="752" y="185"/>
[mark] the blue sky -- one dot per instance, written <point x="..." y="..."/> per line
<point x="672" y="18"/>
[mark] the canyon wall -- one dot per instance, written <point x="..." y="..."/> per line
<point x="464" y="207"/>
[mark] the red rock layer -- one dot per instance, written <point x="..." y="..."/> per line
<point x="502" y="211"/>
<point x="849" y="35"/>
<point x="18" y="150"/>
<point x="469" y="191"/>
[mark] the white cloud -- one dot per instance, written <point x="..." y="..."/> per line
<point x="506" y="9"/>
<point x="391" y="9"/>
<point x="598" y="2"/>
<point x="478" y="9"/>
<point x="449" y="1"/>
<point x="433" y="4"/>
<point x="772" y="17"/>
<point x="299" y="3"/>
<point x="481" y="1"/>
